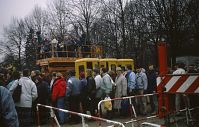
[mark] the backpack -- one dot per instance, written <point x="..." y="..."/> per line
<point x="16" y="95"/>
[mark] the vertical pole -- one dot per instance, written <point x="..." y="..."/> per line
<point x="163" y="100"/>
<point x="38" y="121"/>
<point x="83" y="122"/>
<point x="132" y="123"/>
<point x="52" y="117"/>
<point x="162" y="58"/>
<point x="53" y="49"/>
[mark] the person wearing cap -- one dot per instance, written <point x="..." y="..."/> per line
<point x="58" y="96"/>
<point x="121" y="88"/>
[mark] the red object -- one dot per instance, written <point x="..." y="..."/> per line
<point x="162" y="58"/>
<point x="82" y="75"/>
<point x="163" y="100"/>
<point x="59" y="89"/>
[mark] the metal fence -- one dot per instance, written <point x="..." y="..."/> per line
<point x="83" y="116"/>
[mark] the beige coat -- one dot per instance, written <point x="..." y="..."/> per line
<point x="121" y="90"/>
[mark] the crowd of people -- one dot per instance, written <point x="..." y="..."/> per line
<point x="81" y="94"/>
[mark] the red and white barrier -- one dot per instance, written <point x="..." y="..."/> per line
<point x="132" y="107"/>
<point x="179" y="83"/>
<point x="78" y="114"/>
<point x="150" y="125"/>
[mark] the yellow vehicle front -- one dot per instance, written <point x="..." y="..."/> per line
<point x="83" y="64"/>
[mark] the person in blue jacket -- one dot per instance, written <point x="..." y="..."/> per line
<point x="8" y="114"/>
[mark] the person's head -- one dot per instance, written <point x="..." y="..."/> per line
<point x="54" y="75"/>
<point x="37" y="72"/>
<point x="38" y="80"/>
<point x="81" y="75"/>
<point x="9" y="75"/>
<point x="89" y="72"/>
<point x="59" y="75"/>
<point x="118" y="70"/>
<point x="129" y="67"/>
<point x="72" y="73"/>
<point x="33" y="73"/>
<point x="138" y="68"/>
<point x="191" y="68"/>
<point x="67" y="74"/>
<point x="179" y="65"/>
<point x="16" y="75"/>
<point x="2" y="77"/>
<point x="96" y="72"/>
<point x="103" y="70"/>
<point x="111" y="73"/>
<point x="151" y="67"/>
<point x="123" y="68"/>
<point x="26" y="72"/>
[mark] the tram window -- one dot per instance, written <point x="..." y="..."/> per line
<point x="107" y="67"/>
<point x="89" y="65"/>
<point x="113" y="67"/>
<point x="81" y="68"/>
<point x="102" y="66"/>
<point x="62" y="64"/>
<point x="96" y="66"/>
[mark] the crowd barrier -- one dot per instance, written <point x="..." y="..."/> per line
<point x="133" y="112"/>
<point x="146" y="124"/>
<point x="83" y="116"/>
<point x="132" y="109"/>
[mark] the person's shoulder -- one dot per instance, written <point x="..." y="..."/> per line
<point x="3" y="91"/>
<point x="2" y="88"/>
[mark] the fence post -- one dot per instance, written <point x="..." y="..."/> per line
<point x="38" y="121"/>
<point x="83" y="122"/>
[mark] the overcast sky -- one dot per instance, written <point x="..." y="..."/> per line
<point x="16" y="8"/>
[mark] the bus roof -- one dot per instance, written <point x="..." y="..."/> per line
<point x="108" y="59"/>
<point x="87" y="60"/>
<point x="127" y="60"/>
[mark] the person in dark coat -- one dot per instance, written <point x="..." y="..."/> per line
<point x="83" y="97"/>
<point x="43" y="95"/>
<point x="91" y="91"/>
<point x="152" y="87"/>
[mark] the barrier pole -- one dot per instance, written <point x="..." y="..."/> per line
<point x="83" y="122"/>
<point x="152" y="124"/>
<point x="83" y="115"/>
<point x="38" y="118"/>
<point x="123" y="98"/>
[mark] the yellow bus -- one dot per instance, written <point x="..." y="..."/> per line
<point x="109" y="63"/>
<point x="83" y="64"/>
<point x="125" y="62"/>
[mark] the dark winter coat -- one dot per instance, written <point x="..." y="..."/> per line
<point x="152" y="85"/>
<point x="91" y="86"/>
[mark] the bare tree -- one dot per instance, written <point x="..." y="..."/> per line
<point x="83" y="13"/>
<point x="58" y="19"/>
<point x="15" y="35"/>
